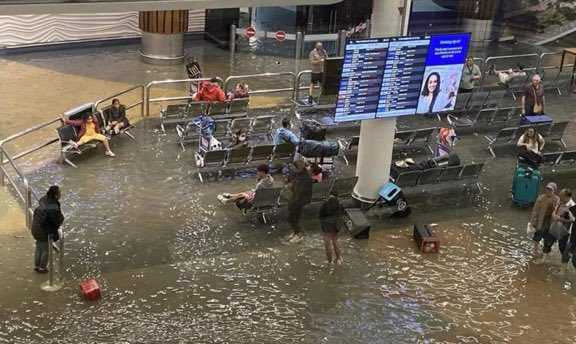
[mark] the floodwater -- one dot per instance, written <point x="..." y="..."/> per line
<point x="177" y="267"/>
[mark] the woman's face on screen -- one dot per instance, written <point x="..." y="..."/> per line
<point x="432" y="83"/>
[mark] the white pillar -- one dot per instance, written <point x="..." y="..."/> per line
<point x="377" y="136"/>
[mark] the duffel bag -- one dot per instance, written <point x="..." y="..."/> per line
<point x="318" y="149"/>
<point x="312" y="130"/>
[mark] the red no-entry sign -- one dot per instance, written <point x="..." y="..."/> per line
<point x="280" y="36"/>
<point x="250" y="32"/>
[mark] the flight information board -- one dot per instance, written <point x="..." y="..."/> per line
<point x="389" y="77"/>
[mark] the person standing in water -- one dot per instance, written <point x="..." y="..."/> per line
<point x="329" y="215"/>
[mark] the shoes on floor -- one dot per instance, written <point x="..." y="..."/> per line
<point x="110" y="154"/>
<point x="41" y="270"/>
<point x="222" y="198"/>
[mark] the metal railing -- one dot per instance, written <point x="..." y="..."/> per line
<point x="147" y="90"/>
<point x="291" y="76"/>
<point x="297" y="87"/>
<point x="29" y="197"/>
<point x="97" y="103"/>
<point x="512" y="60"/>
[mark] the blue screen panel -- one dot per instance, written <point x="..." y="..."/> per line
<point x="444" y="65"/>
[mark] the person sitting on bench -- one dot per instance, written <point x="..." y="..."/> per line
<point x="240" y="91"/>
<point x="531" y="144"/>
<point x="244" y="199"/>
<point x="210" y="91"/>
<point x="89" y="130"/>
<point x="285" y="135"/>
<point x="116" y="116"/>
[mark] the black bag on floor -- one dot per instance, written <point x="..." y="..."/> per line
<point x="318" y="149"/>
<point x="312" y="130"/>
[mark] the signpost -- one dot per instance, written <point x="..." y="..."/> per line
<point x="249" y="32"/>
<point x="280" y="36"/>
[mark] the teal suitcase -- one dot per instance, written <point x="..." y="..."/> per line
<point x="525" y="185"/>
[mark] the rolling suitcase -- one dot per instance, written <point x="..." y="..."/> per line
<point x="525" y="185"/>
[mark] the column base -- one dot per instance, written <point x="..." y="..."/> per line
<point x="162" y="49"/>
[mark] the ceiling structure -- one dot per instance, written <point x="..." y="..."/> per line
<point x="12" y="7"/>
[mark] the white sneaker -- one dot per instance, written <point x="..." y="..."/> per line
<point x="222" y="199"/>
<point x="110" y="154"/>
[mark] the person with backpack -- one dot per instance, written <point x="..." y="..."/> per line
<point x="46" y="221"/>
<point x="330" y="214"/>
<point x="300" y="185"/>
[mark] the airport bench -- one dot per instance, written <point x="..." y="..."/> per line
<point x="266" y="201"/>
<point x="551" y="133"/>
<point x="403" y="140"/>
<point x="463" y="173"/>
<point x="486" y="116"/>
<point x="185" y="112"/>
<point x="560" y="159"/>
<point x="104" y="113"/>
<point x="226" y="162"/>
<point x="68" y="136"/>
<point x="225" y="128"/>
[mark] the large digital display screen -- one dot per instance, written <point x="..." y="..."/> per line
<point x="397" y="76"/>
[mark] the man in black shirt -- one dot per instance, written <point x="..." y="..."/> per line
<point x="46" y="221"/>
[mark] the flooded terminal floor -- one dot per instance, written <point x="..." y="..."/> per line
<point x="178" y="267"/>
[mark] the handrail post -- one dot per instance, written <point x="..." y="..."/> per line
<point x="2" y="177"/>
<point x="341" y="43"/>
<point x="232" y="45"/>
<point x="28" y="204"/>
<point x="147" y="99"/>
<point x="50" y="261"/>
<point x="51" y="284"/>
<point x="299" y="45"/>
<point x="143" y="96"/>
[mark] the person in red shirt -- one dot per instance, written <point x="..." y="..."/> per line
<point x="210" y="91"/>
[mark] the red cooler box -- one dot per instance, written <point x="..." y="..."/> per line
<point x="90" y="290"/>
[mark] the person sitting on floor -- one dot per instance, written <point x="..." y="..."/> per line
<point x="116" y="116"/>
<point x="531" y="144"/>
<point x="240" y="91"/>
<point x="285" y="135"/>
<point x="89" y="131"/>
<point x="210" y="91"/>
<point x="315" y="172"/>
<point x="243" y="200"/>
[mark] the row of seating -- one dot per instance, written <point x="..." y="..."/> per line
<point x="470" y="172"/>
<point x="559" y="159"/>
<point x="486" y="116"/>
<point x="228" y="161"/>
<point x="270" y="199"/>
<point x="252" y="126"/>
<point x="184" y="112"/>
<point x="403" y="139"/>
<point x="551" y="132"/>
<point x="67" y="134"/>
